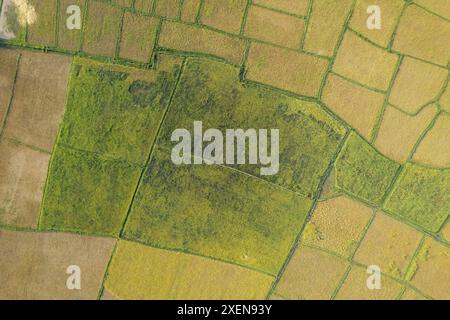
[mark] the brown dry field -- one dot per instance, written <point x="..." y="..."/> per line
<point x="411" y="294"/>
<point x="399" y="132"/>
<point x="436" y="139"/>
<point x="298" y="7"/>
<point x="8" y="68"/>
<point x="224" y="15"/>
<point x="416" y="84"/>
<point x="138" y="37"/>
<point x="42" y="32"/>
<point x="101" y="29"/>
<point x="280" y="68"/>
<point x="167" y="8"/>
<point x="23" y="172"/>
<point x="33" y="265"/>
<point x="190" y="10"/>
<point x="365" y="63"/>
<point x="431" y="270"/>
<point x="141" y="272"/>
<point x="431" y="43"/>
<point x="270" y="26"/>
<point x="358" y="106"/>
<point x="311" y="274"/>
<point x="445" y="99"/>
<point x="187" y="38"/>
<point x="337" y="225"/>
<point x="355" y="287"/>
<point x="389" y="244"/>
<point x="441" y="7"/>
<point x="326" y="24"/>
<point x="38" y="102"/>
<point x="390" y="11"/>
<point x="144" y="5"/>
<point x="68" y="39"/>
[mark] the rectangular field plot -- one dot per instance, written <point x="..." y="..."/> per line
<point x="188" y="38"/>
<point x="138" y="37"/>
<point x="211" y="92"/>
<point x="363" y="172"/>
<point x="33" y="265"/>
<point x="23" y="172"/>
<point x="422" y="195"/>
<point x="87" y="194"/>
<point x="298" y="7"/>
<point x="38" y="102"/>
<point x="8" y="69"/>
<point x="224" y="15"/>
<point x="116" y="110"/>
<point x="42" y="31"/>
<point x="217" y="212"/>
<point x="141" y="272"/>
<point x="69" y="39"/>
<point x="279" y="68"/>
<point x="102" y="29"/>
<point x="278" y="28"/>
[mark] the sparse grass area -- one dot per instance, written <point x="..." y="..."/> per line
<point x="309" y="137"/>
<point x="42" y="32"/>
<point x="87" y="194"/>
<point x="116" y="111"/>
<point x="363" y="172"/>
<point x="215" y="211"/>
<point x="422" y="195"/>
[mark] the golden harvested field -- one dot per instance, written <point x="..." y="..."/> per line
<point x="186" y="38"/>
<point x="326" y="25"/>
<point x="298" y="282"/>
<point x="417" y="84"/>
<point x="399" y="131"/>
<point x="138" y="37"/>
<point x="224" y="15"/>
<point x="427" y="270"/>
<point x="355" y="288"/>
<point x="358" y="106"/>
<point x="141" y="272"/>
<point x="278" y="67"/>
<point x="336" y="225"/>
<point x="34" y="265"/>
<point x="390" y="10"/>
<point x="388" y="244"/>
<point x="436" y="139"/>
<point x="431" y="43"/>
<point x="274" y="27"/>
<point x="364" y="63"/>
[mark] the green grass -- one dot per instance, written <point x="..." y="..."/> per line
<point x="211" y="92"/>
<point x="363" y="172"/>
<point x="115" y="112"/>
<point x="87" y="194"/>
<point x="216" y="211"/>
<point x="422" y="195"/>
<point x="42" y="32"/>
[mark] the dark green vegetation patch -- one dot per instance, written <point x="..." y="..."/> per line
<point x="86" y="193"/>
<point x="422" y="195"/>
<point x="115" y="112"/>
<point x="309" y="137"/>
<point x="363" y="172"/>
<point x="216" y="211"/>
